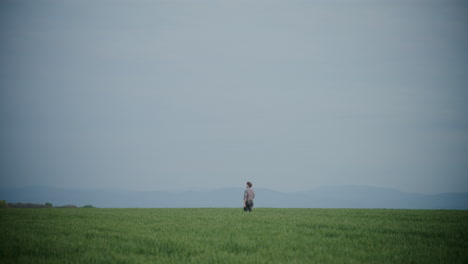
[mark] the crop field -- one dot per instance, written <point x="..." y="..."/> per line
<point x="227" y="235"/>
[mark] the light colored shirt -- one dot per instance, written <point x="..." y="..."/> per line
<point x="249" y="194"/>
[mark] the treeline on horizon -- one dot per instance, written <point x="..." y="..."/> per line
<point x="4" y="204"/>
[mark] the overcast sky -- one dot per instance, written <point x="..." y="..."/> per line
<point x="291" y="95"/>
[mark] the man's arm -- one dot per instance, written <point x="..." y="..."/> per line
<point x="245" y="197"/>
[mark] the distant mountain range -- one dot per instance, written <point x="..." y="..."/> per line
<point x="323" y="197"/>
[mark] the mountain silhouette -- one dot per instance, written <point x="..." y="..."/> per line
<point x="323" y="197"/>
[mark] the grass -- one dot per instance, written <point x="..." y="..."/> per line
<point x="221" y="235"/>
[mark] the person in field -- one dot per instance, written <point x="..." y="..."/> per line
<point x="249" y="195"/>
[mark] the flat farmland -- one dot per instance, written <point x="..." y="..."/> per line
<point x="228" y="235"/>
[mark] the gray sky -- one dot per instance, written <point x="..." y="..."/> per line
<point x="291" y="95"/>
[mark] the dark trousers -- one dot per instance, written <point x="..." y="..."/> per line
<point x="248" y="206"/>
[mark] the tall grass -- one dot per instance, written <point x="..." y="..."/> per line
<point x="218" y="235"/>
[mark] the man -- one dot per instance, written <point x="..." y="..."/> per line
<point x="249" y="195"/>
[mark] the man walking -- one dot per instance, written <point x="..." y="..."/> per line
<point x="249" y="195"/>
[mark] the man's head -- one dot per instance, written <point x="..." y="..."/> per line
<point x="249" y="184"/>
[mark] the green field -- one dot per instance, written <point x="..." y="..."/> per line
<point x="218" y="235"/>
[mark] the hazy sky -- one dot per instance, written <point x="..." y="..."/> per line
<point x="291" y="95"/>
